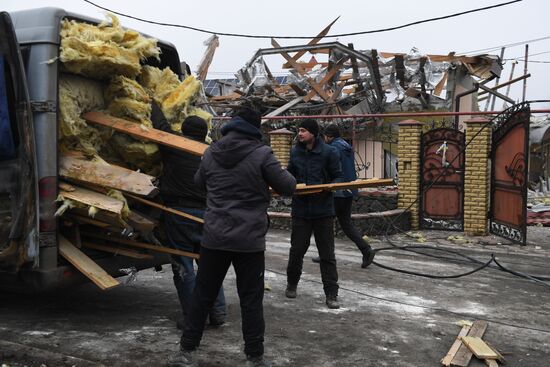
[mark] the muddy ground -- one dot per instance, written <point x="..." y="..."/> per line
<point x="387" y="318"/>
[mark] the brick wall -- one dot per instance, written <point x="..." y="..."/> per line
<point x="410" y="133"/>
<point x="477" y="177"/>
<point x="281" y="143"/>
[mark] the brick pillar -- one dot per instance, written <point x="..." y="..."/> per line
<point x="281" y="143"/>
<point x="408" y="151"/>
<point x="477" y="177"/>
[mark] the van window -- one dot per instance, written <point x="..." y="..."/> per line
<point x="7" y="141"/>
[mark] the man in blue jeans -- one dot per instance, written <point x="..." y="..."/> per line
<point x="179" y="191"/>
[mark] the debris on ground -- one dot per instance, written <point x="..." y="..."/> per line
<point x="469" y="342"/>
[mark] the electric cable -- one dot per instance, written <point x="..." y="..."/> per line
<point x="507" y="45"/>
<point x="437" y="309"/>
<point x="301" y="37"/>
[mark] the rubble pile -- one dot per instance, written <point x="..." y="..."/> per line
<point x="104" y="69"/>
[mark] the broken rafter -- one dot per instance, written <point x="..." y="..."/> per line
<point x="212" y="43"/>
<point x="314" y="41"/>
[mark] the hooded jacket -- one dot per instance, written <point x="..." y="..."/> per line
<point x="320" y="165"/>
<point x="177" y="188"/>
<point x="348" y="166"/>
<point x="237" y="172"/>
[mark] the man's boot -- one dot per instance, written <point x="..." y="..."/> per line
<point x="368" y="257"/>
<point x="183" y="358"/>
<point x="291" y="290"/>
<point x="332" y="301"/>
<point x="258" y="361"/>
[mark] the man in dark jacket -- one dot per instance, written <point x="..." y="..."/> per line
<point x="344" y="198"/>
<point x="237" y="172"/>
<point x="179" y="191"/>
<point x="313" y="162"/>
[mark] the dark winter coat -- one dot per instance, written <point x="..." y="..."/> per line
<point x="321" y="165"/>
<point x="237" y="172"/>
<point x="347" y="163"/>
<point x="177" y="187"/>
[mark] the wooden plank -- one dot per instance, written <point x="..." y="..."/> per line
<point x="117" y="250"/>
<point x="165" y="208"/>
<point x="479" y="348"/>
<point x="104" y="174"/>
<point x="166" y="250"/>
<point x="464" y="355"/>
<point x="446" y="361"/>
<point x="313" y="41"/>
<point x="500" y="357"/>
<point x="149" y="134"/>
<point x="140" y="222"/>
<point x="327" y="77"/>
<point x="94" y="199"/>
<point x="302" y="72"/>
<point x="85" y="265"/>
<point x="491" y="363"/>
<point x="372" y="182"/>
<point x="212" y="43"/>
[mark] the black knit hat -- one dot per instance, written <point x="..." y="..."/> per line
<point x="332" y="131"/>
<point x="310" y="125"/>
<point x="195" y="128"/>
<point x="250" y="115"/>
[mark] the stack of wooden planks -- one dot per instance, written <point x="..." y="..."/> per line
<point x="468" y="343"/>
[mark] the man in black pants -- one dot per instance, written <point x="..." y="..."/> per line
<point x="313" y="162"/>
<point x="237" y="172"/>
<point x="178" y="191"/>
<point x="344" y="198"/>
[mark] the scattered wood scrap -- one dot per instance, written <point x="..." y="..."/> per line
<point x="149" y="134"/>
<point x="86" y="265"/>
<point x="92" y="198"/>
<point x="117" y="250"/>
<point x="106" y="175"/>
<point x="469" y="342"/>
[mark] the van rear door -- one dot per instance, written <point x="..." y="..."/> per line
<point x="18" y="186"/>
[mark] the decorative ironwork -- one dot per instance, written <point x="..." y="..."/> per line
<point x="442" y="180"/>
<point x="509" y="161"/>
<point x="516" y="169"/>
<point x="505" y="231"/>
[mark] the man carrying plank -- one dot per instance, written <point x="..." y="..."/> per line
<point x="178" y="191"/>
<point x="313" y="162"/>
<point x="344" y="198"/>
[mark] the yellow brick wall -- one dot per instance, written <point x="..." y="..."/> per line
<point x="477" y="177"/>
<point x="408" y="151"/>
<point x="281" y="144"/>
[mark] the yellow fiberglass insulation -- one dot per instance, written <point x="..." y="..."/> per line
<point x="104" y="50"/>
<point x="76" y="96"/>
<point x="174" y="97"/>
<point x="127" y="99"/>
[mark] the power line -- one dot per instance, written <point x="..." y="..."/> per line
<point x="508" y="45"/>
<point x="302" y="37"/>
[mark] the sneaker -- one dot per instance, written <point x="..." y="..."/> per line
<point x="258" y="361"/>
<point x="216" y="320"/>
<point x="368" y="257"/>
<point x="183" y="358"/>
<point x="291" y="291"/>
<point x="316" y="259"/>
<point x="332" y="302"/>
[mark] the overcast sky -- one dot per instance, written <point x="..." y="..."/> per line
<point x="515" y="23"/>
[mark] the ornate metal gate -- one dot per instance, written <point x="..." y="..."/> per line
<point x="509" y="168"/>
<point x="442" y="180"/>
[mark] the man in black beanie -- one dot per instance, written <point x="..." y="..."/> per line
<point x="236" y="172"/>
<point x="178" y="191"/>
<point x="313" y="162"/>
<point x="343" y="199"/>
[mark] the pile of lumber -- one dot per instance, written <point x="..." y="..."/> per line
<point x="109" y="159"/>
<point x="468" y="343"/>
